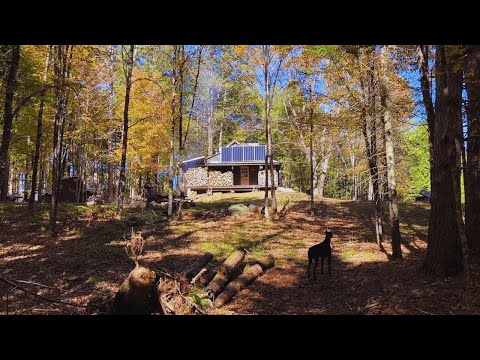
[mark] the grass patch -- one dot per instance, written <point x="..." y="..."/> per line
<point x="351" y="254"/>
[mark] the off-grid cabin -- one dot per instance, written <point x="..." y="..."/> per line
<point x="236" y="167"/>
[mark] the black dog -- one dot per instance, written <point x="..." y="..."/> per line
<point x="322" y="250"/>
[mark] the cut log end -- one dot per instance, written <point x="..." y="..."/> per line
<point x="225" y="272"/>
<point x="134" y="294"/>
<point x="238" y="284"/>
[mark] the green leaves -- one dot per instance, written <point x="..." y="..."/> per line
<point x="418" y="160"/>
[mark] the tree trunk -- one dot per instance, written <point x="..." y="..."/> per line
<point x="39" y="132"/>
<point x="390" y="157"/>
<point x="312" y="186"/>
<point x="353" y="162"/>
<point x="446" y="228"/>
<point x="225" y="272"/>
<point x="111" y="140"/>
<point x="238" y="284"/>
<point x="171" y="172"/>
<point x="27" y="170"/>
<point x="128" y="70"/>
<point x="472" y="193"/>
<point x="7" y="120"/>
<point x="370" y="189"/>
<point x="41" y="180"/>
<point x="370" y="133"/>
<point x="423" y="56"/>
<point x="62" y="72"/>
<point x="210" y="121"/>
<point x="181" y="147"/>
<point x="267" y="130"/>
<point x="323" y="174"/>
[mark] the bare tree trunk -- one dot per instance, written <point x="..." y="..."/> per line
<point x="472" y="177"/>
<point x="267" y="128"/>
<point x="210" y="121"/>
<point x="39" y="131"/>
<point x="323" y="173"/>
<point x="370" y="134"/>
<point x="353" y="161"/>
<point x="41" y="180"/>
<point x="220" y="135"/>
<point x="110" y="186"/>
<point x="62" y="72"/>
<point x="390" y="157"/>
<point x="272" y="190"/>
<point x="446" y="229"/>
<point x="312" y="187"/>
<point x="128" y="70"/>
<point x="180" y="139"/>
<point x="111" y="140"/>
<point x="27" y="170"/>
<point x="7" y="120"/>
<point x="423" y="56"/>
<point x="172" y="133"/>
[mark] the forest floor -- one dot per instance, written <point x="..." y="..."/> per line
<point x="87" y="261"/>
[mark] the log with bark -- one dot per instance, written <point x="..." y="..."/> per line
<point x="193" y="269"/>
<point x="136" y="294"/>
<point x="238" y="284"/>
<point x="224" y="274"/>
<point x="266" y="262"/>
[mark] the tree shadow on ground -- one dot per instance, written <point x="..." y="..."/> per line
<point x="91" y="263"/>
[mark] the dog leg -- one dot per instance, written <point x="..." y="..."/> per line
<point x="315" y="269"/>
<point x="329" y="263"/>
<point x="308" y="270"/>
<point x="322" y="266"/>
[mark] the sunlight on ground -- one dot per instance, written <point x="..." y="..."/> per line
<point x="90" y="251"/>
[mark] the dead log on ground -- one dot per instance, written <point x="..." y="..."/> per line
<point x="225" y="272"/>
<point x="204" y="277"/>
<point x="266" y="262"/>
<point x="135" y="294"/>
<point x="193" y="269"/>
<point x="238" y="284"/>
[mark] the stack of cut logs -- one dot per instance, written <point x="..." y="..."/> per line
<point x="146" y="291"/>
<point x="199" y="176"/>
<point x="218" y="178"/>
<point x="196" y="177"/>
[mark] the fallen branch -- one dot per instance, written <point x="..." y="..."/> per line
<point x="197" y="265"/>
<point x="422" y="311"/>
<point x="12" y="283"/>
<point x="37" y="284"/>
<point x="196" y="277"/>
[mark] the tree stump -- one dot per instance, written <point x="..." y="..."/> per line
<point x="134" y="295"/>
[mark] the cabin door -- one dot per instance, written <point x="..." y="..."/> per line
<point x="244" y="176"/>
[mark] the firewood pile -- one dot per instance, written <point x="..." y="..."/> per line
<point x="217" y="178"/>
<point x="261" y="178"/>
<point x="201" y="177"/>
<point x="196" y="176"/>
<point x="198" y="290"/>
